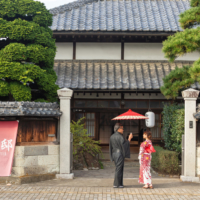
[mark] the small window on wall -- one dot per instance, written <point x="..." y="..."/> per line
<point x="103" y="104"/>
<point x="154" y="104"/>
<point x="142" y="104"/>
<point x="130" y="104"/>
<point x="91" y="104"/>
<point x="109" y="104"/>
<point x="114" y="104"/>
<point x="79" y="104"/>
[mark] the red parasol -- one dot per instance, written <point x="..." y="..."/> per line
<point x="130" y="115"/>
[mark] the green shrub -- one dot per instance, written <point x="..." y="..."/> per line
<point x="82" y="143"/>
<point x="165" y="161"/>
<point x="173" y="126"/>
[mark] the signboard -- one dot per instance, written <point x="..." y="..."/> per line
<point x="8" y="134"/>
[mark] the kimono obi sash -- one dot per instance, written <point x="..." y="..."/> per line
<point x="149" y="149"/>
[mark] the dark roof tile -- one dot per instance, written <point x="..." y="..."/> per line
<point x="118" y="75"/>
<point x="29" y="109"/>
<point x="119" y="15"/>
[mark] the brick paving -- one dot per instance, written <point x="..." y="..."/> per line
<point x="94" y="193"/>
<point x="97" y="185"/>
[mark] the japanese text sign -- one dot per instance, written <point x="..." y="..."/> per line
<point x="8" y="134"/>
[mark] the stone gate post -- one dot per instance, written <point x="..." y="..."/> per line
<point x="190" y="96"/>
<point x="65" y="136"/>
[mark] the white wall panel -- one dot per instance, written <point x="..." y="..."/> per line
<point x="151" y="51"/>
<point x="64" y="51"/>
<point x="98" y="51"/>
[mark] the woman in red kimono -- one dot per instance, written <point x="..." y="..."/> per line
<point x="146" y="149"/>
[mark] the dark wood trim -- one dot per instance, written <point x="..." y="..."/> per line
<point x="97" y="131"/>
<point x="138" y="33"/>
<point x="35" y="143"/>
<point x="122" y="50"/>
<point x="74" y="50"/>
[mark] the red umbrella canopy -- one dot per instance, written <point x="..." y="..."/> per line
<point x="130" y="115"/>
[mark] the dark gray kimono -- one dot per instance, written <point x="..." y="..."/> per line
<point x="119" y="150"/>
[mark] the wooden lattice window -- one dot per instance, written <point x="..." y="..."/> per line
<point x="89" y="122"/>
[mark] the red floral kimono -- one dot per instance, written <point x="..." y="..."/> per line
<point x="146" y="148"/>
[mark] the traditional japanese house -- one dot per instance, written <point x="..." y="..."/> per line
<point x="109" y="52"/>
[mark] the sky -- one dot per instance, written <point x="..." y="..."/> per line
<point x="54" y="3"/>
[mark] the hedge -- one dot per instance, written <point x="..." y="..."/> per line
<point x="173" y="126"/>
<point x="165" y="161"/>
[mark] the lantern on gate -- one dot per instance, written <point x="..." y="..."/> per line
<point x="150" y="122"/>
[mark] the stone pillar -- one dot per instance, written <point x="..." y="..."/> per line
<point x="65" y="140"/>
<point x="190" y="96"/>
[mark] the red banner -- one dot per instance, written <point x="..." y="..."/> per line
<point x="8" y="134"/>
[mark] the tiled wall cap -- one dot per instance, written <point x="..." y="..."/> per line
<point x="190" y="93"/>
<point x="65" y="92"/>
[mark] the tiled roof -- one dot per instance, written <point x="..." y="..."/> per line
<point x="113" y="75"/>
<point x="29" y="109"/>
<point x="119" y="15"/>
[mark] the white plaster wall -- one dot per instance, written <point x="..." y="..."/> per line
<point x="198" y="161"/>
<point x="151" y="51"/>
<point x="64" y="51"/>
<point x="98" y="51"/>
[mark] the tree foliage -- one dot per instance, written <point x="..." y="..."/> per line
<point x="178" y="45"/>
<point x="173" y="126"/>
<point x="27" y="56"/>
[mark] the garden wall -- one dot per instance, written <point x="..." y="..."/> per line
<point x="30" y="160"/>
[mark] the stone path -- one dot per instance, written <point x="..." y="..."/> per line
<point x="95" y="193"/>
<point x="131" y="170"/>
<point x="97" y="185"/>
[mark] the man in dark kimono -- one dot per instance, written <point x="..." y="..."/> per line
<point x="119" y="150"/>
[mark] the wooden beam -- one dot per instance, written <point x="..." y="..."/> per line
<point x="74" y="50"/>
<point x="122" y="50"/>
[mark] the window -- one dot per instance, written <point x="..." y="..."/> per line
<point x="97" y="104"/>
<point x="156" y="130"/>
<point x="106" y="126"/>
<point x="103" y="104"/>
<point x="79" y="104"/>
<point x="130" y="104"/>
<point x="154" y="104"/>
<point x="114" y="104"/>
<point x="142" y="104"/>
<point x="89" y="122"/>
<point x="91" y="104"/>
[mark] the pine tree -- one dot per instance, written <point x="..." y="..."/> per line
<point x="179" y="44"/>
<point x="27" y="55"/>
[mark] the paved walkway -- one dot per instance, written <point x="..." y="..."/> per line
<point x="97" y="185"/>
<point x="69" y="189"/>
<point x="131" y="170"/>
